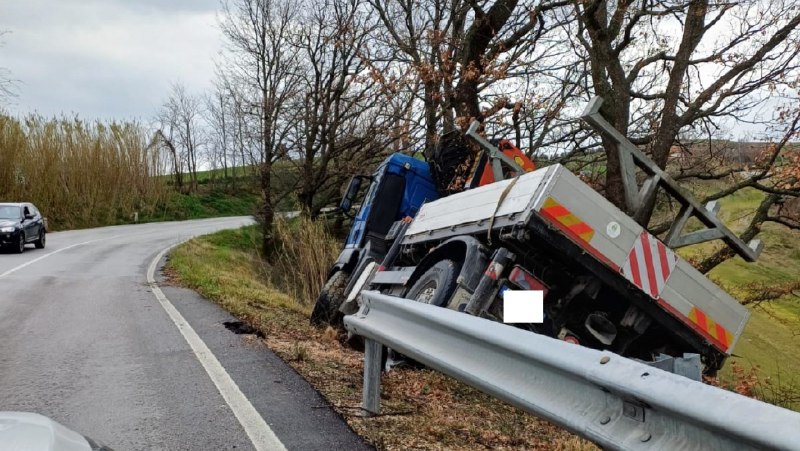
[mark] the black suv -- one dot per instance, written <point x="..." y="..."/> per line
<point x="21" y="223"/>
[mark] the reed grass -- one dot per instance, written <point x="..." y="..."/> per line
<point x="305" y="252"/>
<point x="79" y="173"/>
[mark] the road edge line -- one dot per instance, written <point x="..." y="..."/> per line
<point x="257" y="430"/>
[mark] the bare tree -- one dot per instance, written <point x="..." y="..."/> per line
<point x="665" y="67"/>
<point x="181" y="117"/>
<point x="263" y="69"/>
<point x="6" y="81"/>
<point x="776" y="173"/>
<point x="219" y="117"/>
<point x="339" y="123"/>
<point x="458" y="49"/>
<point x="175" y="159"/>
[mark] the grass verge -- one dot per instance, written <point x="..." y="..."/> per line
<point x="206" y="203"/>
<point x="422" y="409"/>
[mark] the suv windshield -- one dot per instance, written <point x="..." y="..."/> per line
<point x="9" y="212"/>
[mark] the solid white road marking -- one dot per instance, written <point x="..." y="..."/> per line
<point x="257" y="429"/>
<point x="17" y="268"/>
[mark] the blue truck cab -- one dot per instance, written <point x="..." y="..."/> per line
<point x="398" y="188"/>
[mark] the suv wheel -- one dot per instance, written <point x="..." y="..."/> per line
<point x="21" y="245"/>
<point x="39" y="243"/>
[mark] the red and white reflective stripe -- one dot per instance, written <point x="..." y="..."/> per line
<point x="649" y="264"/>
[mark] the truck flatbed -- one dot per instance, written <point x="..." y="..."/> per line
<point x="555" y="206"/>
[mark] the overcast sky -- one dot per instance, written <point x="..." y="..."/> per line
<point x="106" y="58"/>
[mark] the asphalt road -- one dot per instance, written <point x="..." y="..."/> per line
<point x="87" y="341"/>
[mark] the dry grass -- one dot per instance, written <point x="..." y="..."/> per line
<point x="749" y="380"/>
<point x="78" y="173"/>
<point x="304" y="252"/>
<point x="421" y="409"/>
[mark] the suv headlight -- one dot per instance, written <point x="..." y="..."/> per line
<point x="7" y="229"/>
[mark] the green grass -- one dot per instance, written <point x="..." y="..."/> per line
<point x="204" y="204"/>
<point x="218" y="174"/>
<point x="225" y="267"/>
<point x="247" y="174"/>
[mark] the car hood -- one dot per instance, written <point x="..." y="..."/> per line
<point x="8" y="222"/>
<point x="34" y="432"/>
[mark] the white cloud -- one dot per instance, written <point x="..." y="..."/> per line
<point x="107" y="59"/>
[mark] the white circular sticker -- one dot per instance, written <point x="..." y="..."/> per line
<point x="613" y="229"/>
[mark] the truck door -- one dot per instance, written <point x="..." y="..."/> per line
<point x="385" y="210"/>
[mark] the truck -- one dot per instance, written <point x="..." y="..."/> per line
<point x="606" y="281"/>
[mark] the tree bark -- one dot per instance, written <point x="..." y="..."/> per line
<point x="267" y="211"/>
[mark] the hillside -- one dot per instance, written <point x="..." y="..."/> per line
<point x="772" y="336"/>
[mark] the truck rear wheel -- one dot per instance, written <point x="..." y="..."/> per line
<point x="437" y="284"/>
<point x="326" y="309"/>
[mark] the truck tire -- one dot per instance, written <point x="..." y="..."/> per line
<point x="437" y="284"/>
<point x="326" y="309"/>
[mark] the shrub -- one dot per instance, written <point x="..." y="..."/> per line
<point x="304" y="252"/>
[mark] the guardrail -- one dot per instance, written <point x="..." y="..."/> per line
<point x="296" y="213"/>
<point x="613" y="401"/>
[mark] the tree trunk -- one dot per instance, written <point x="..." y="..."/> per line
<point x="267" y="212"/>
<point x="616" y="112"/>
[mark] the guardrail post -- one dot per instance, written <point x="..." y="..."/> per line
<point x="371" y="398"/>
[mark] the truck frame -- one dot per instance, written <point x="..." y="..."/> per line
<point x="607" y="282"/>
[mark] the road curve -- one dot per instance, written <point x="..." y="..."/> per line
<point x="85" y="340"/>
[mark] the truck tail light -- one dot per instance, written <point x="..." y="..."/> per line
<point x="571" y="339"/>
<point x="526" y="280"/>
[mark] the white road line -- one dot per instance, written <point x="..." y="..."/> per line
<point x="257" y="429"/>
<point x="17" y="268"/>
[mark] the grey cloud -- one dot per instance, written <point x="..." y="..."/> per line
<point x="106" y="58"/>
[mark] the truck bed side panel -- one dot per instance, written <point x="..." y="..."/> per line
<point x="684" y="292"/>
<point x="476" y="205"/>
<point x="696" y="299"/>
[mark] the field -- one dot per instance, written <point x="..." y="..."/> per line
<point x="206" y="203"/>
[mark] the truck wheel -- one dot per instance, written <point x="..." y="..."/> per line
<point x="436" y="285"/>
<point x="326" y="309"/>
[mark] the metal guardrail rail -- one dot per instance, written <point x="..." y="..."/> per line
<point x="615" y="402"/>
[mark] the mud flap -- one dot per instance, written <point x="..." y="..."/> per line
<point x="352" y="303"/>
